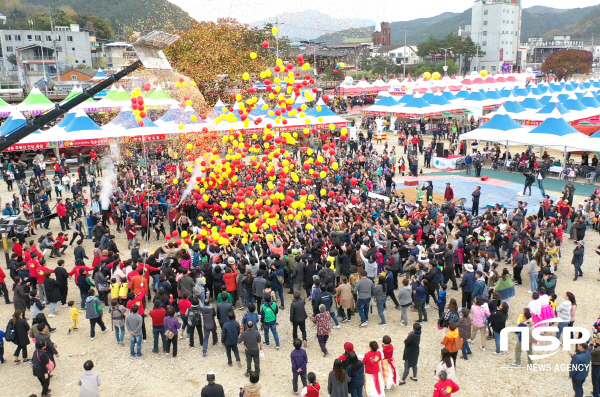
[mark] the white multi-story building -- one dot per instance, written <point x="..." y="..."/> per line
<point x="496" y="27"/>
<point x="400" y="54"/>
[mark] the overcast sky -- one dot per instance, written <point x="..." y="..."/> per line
<point x="389" y="10"/>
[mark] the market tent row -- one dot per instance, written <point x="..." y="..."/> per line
<point x="77" y="129"/>
<point x="553" y="132"/>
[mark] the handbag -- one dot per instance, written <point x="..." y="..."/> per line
<point x="50" y="366"/>
<point x="103" y="287"/>
<point x="169" y="334"/>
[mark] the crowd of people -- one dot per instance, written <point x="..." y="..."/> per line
<point x="351" y="254"/>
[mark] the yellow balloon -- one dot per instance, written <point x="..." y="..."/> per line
<point x="275" y="30"/>
<point x="184" y="234"/>
<point x="181" y="126"/>
<point x="323" y="174"/>
<point x="246" y="76"/>
<point x="426" y="75"/>
<point x="253" y="55"/>
<point x="323" y="192"/>
<point x="436" y="76"/>
<point x="334" y="165"/>
<point x="175" y="181"/>
<point x="308" y="226"/>
<point x="483" y="73"/>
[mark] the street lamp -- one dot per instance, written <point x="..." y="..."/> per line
<point x="314" y="44"/>
<point x="445" y="52"/>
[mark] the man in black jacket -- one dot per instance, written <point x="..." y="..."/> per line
<point x="212" y="389"/>
<point x="229" y="337"/>
<point x="298" y="316"/>
<point x="79" y="252"/>
<point x="62" y="278"/>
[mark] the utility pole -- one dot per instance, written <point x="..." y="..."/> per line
<point x="54" y="45"/>
<point x="404" y="53"/>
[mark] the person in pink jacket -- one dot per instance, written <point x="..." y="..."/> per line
<point x="480" y="312"/>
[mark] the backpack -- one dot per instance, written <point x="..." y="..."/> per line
<point x="40" y="239"/>
<point x="280" y="279"/>
<point x="10" y="332"/>
<point x="196" y="291"/>
<point x="194" y="317"/>
<point x="457" y="344"/>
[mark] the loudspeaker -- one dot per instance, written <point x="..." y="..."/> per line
<point x="446" y="153"/>
<point x="439" y="149"/>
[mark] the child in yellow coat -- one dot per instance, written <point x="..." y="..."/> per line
<point x="74" y="312"/>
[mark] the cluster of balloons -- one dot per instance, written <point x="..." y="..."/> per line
<point x="137" y="104"/>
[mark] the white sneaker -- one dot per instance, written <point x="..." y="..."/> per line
<point x="426" y="306"/>
<point x="65" y="305"/>
<point x="482" y="348"/>
<point x="180" y="336"/>
<point x="495" y="352"/>
<point x="529" y="292"/>
<point x="337" y="326"/>
<point x="470" y="340"/>
<point x="51" y="315"/>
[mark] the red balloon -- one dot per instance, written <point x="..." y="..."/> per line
<point x="175" y="233"/>
<point x="353" y="181"/>
<point x="181" y="79"/>
<point x="325" y="98"/>
<point x="300" y="58"/>
<point x="354" y="200"/>
<point x="265" y="44"/>
<point x="147" y="87"/>
<point x="168" y="236"/>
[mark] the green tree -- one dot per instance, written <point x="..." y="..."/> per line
<point x="92" y="22"/>
<point x="382" y="65"/>
<point x="566" y="63"/>
<point x="422" y="67"/>
<point x="12" y="58"/>
<point x="452" y="67"/>
<point x="430" y="47"/>
<point x="101" y="63"/>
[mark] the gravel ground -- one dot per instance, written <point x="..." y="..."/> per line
<point x="156" y="375"/>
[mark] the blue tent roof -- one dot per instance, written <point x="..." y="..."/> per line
<point x="81" y="122"/>
<point x="427" y="96"/>
<point x="418" y="103"/>
<point x="126" y="119"/>
<point x="505" y="92"/>
<point x="590" y="102"/>
<point x="537" y="91"/>
<point x="586" y="85"/>
<point x="476" y="96"/>
<point x="514" y="107"/>
<point x="574" y="104"/>
<point x="549" y="108"/>
<point x="554" y="126"/>
<point x="449" y="95"/>
<point x="259" y="112"/>
<point x="493" y="95"/>
<point x="386" y="101"/>
<point x="438" y="100"/>
<point x="406" y="98"/>
<point x="186" y="117"/>
<point x="325" y="111"/>
<point x="462" y="94"/>
<point x="67" y="119"/>
<point x="520" y="92"/>
<point x="502" y="122"/>
<point x="11" y="124"/>
<point x="545" y="99"/>
<point x="562" y="97"/>
<point x="100" y="75"/>
<point x="531" y="103"/>
<point x="172" y="114"/>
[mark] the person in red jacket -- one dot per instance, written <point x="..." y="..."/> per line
<point x="80" y="265"/>
<point x="229" y="278"/>
<point x="3" y="288"/>
<point x="17" y="248"/>
<point x="449" y="193"/>
<point x="58" y="243"/>
<point x="131" y="232"/>
<point x="61" y="211"/>
<point x="147" y="269"/>
<point x="445" y="387"/>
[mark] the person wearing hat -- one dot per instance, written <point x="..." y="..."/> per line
<point x="467" y="285"/>
<point x="577" y="260"/>
<point x="212" y="389"/>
